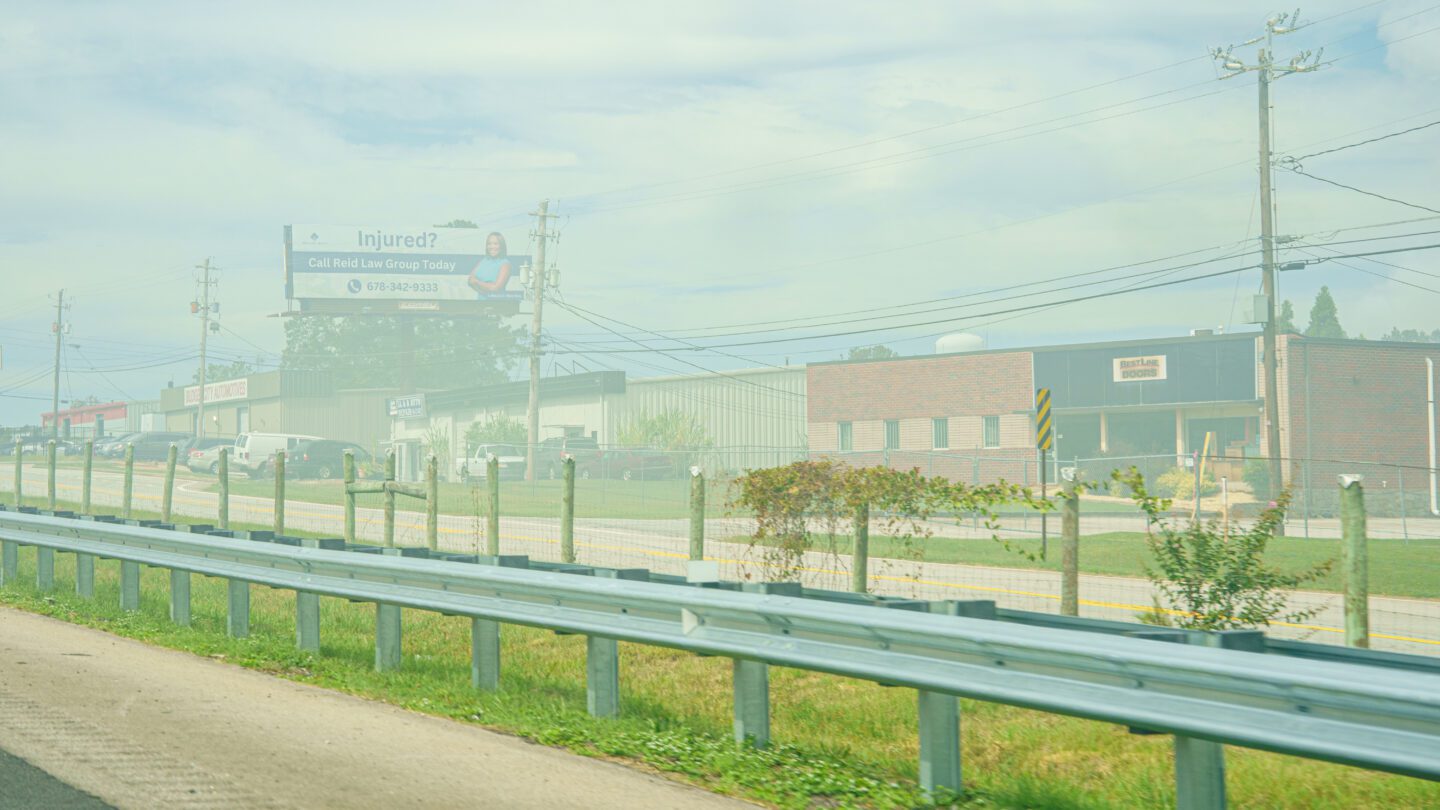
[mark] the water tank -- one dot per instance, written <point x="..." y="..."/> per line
<point x="959" y="342"/>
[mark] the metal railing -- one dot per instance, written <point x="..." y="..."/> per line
<point x="1381" y="717"/>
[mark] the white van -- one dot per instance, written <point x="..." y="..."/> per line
<point x="255" y="452"/>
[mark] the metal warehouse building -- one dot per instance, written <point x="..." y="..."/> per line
<point x="750" y="417"/>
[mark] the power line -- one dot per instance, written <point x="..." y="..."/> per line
<point x="1366" y="142"/>
<point x="1303" y="173"/>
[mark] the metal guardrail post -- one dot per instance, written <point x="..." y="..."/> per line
<point x="307" y="608"/>
<point x="939" y="716"/>
<point x="127" y="496"/>
<point x="279" y="470"/>
<point x="567" y="512"/>
<point x="387" y="637"/>
<point x="752" y="685"/>
<point x="348" y="465"/>
<point x="602" y="676"/>
<point x="602" y="671"/>
<point x="432" y="503"/>
<point x="50" y="474"/>
<point x="390" y="498"/>
<point x="85" y="575"/>
<point x="129" y="585"/>
<point x="222" y="470"/>
<point x="1200" y="764"/>
<point x="180" y="597"/>
<point x="44" y="569"/>
<point x="697" y="514"/>
<point x="85" y="476"/>
<point x="484" y="654"/>
<point x="9" y="561"/>
<point x="237" y="608"/>
<point x="1070" y="549"/>
<point x="860" y="558"/>
<point x="492" y="520"/>
<point x="1354" y="563"/>
<point x="167" y="495"/>
<point x="19" y="478"/>
<point x="752" y="702"/>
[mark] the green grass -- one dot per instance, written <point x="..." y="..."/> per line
<point x="1397" y="567"/>
<point x="839" y="742"/>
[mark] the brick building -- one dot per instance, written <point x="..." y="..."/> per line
<point x="1343" y="404"/>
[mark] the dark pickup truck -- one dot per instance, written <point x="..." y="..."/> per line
<point x="623" y="463"/>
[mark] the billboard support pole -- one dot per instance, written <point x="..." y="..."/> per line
<point x="537" y="293"/>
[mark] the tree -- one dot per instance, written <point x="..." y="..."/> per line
<point x="672" y="429"/>
<point x="877" y="352"/>
<point x="215" y="372"/>
<point x="367" y="351"/>
<point x="1324" y="318"/>
<point x="1285" y="321"/>
<point x="497" y="429"/>
<point x="1413" y="335"/>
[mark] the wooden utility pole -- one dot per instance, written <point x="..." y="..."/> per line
<point x="537" y="300"/>
<point x="204" y="336"/>
<point x="55" y="390"/>
<point x="1267" y="69"/>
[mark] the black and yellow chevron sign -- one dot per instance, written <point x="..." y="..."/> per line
<point x="1044" y="429"/>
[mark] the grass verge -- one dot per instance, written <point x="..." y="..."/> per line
<point x="843" y="743"/>
<point x="1397" y="567"/>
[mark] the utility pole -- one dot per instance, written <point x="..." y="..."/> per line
<point x="1268" y="71"/>
<point x="59" y="327"/>
<point x="537" y="298"/>
<point x="204" y="336"/>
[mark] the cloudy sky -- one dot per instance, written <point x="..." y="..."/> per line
<point x="712" y="164"/>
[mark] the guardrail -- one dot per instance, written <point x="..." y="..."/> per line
<point x="1368" y="716"/>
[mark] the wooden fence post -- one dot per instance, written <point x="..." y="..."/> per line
<point x="348" y="464"/>
<point x="492" y="520"/>
<point x="167" y="496"/>
<point x="697" y="514"/>
<point x="567" y="511"/>
<point x="390" y="498"/>
<point x="222" y="471"/>
<point x="279" y="470"/>
<point x="127" y="496"/>
<point x="432" y="503"/>
<point x="1354" y="563"/>
<point x="86" y="475"/>
<point x="860" y="558"/>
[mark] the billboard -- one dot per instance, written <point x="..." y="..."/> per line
<point x="393" y="269"/>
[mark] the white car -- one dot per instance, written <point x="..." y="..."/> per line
<point x="512" y="462"/>
<point x="255" y="452"/>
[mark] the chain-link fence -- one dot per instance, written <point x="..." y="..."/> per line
<point x="633" y="509"/>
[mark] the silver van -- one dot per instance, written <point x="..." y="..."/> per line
<point x="255" y="452"/>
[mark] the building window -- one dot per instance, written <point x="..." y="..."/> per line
<point x="940" y="427"/>
<point x="892" y="434"/>
<point x="846" y="437"/>
<point x="990" y="430"/>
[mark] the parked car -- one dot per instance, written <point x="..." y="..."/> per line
<point x="203" y="454"/>
<point x="155" y="446"/>
<point x="325" y="458"/>
<point x="255" y="452"/>
<point x="584" y="449"/>
<point x="512" y="462"/>
<point x="640" y="463"/>
<point x="113" y="446"/>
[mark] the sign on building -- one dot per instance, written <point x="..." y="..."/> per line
<point x="1139" y="369"/>
<point x="407" y="407"/>
<point x="223" y="391"/>
<point x="380" y="269"/>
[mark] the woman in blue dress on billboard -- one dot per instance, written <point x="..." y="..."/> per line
<point x="493" y="271"/>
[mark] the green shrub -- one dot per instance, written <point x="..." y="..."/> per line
<point x="1180" y="483"/>
<point x="1257" y="476"/>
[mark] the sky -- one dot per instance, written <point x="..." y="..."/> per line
<point x="711" y="165"/>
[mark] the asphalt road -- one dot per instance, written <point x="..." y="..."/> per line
<point x="1396" y="624"/>
<point x="144" y="727"/>
<point x="23" y="785"/>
